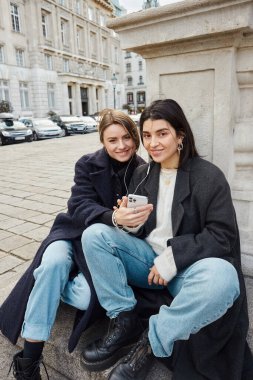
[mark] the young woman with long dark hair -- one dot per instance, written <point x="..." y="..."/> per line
<point x="190" y="246"/>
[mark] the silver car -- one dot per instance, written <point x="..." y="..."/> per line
<point x="42" y="128"/>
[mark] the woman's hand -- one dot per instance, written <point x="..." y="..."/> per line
<point x="154" y="277"/>
<point x="132" y="217"/>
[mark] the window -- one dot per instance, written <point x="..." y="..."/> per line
<point x="140" y="65"/>
<point x="64" y="32"/>
<point x="78" y="7"/>
<point x="4" y="90"/>
<point x="102" y="20"/>
<point x="15" y="19"/>
<point x="141" y="80"/>
<point x="128" y="67"/>
<point x="79" y="38"/>
<point x="129" y="81"/>
<point x="44" y="25"/>
<point x="51" y="95"/>
<point x="105" y="49"/>
<point x="24" y="95"/>
<point x="93" y="45"/>
<point x="49" y="61"/>
<point x="20" y="57"/>
<point x="141" y="97"/>
<point x="90" y="14"/>
<point x="1" y="54"/>
<point x="116" y="55"/>
<point x="65" y="65"/>
<point x="130" y="97"/>
<point x="62" y="2"/>
<point x="128" y="54"/>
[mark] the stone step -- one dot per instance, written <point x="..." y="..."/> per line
<point x="65" y="366"/>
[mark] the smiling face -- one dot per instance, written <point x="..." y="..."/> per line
<point x="118" y="143"/>
<point x="161" y="142"/>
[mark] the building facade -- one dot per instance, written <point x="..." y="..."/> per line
<point x="135" y="81"/>
<point x="58" y="55"/>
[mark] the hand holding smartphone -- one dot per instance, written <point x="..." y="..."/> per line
<point x="136" y="200"/>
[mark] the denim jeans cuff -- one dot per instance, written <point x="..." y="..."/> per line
<point x="36" y="331"/>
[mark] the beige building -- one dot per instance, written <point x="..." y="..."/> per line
<point x="58" y="55"/>
<point x="135" y="81"/>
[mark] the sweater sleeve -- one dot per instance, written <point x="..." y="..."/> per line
<point x="166" y="265"/>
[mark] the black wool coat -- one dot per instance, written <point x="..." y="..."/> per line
<point x="92" y="195"/>
<point x="204" y="225"/>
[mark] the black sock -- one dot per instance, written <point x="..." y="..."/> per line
<point x="33" y="350"/>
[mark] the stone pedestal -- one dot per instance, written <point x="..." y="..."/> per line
<point x="200" y="53"/>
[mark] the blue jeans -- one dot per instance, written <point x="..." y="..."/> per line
<point x="51" y="285"/>
<point x="202" y="293"/>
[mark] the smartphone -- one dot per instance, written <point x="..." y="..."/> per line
<point x="136" y="200"/>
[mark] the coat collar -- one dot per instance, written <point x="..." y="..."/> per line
<point x="182" y="190"/>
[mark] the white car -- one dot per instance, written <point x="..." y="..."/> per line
<point x="136" y="118"/>
<point x="42" y="128"/>
<point x="90" y="124"/>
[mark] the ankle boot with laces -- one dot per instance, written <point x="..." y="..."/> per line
<point x="123" y="332"/>
<point x="136" y="365"/>
<point x="26" y="369"/>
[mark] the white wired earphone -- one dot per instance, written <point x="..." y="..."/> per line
<point x="143" y="179"/>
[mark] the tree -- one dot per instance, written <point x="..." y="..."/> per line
<point x="51" y="113"/>
<point x="5" y="106"/>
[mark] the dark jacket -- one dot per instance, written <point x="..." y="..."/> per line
<point x="92" y="196"/>
<point x="204" y="225"/>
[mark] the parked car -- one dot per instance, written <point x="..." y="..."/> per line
<point x="90" y="124"/>
<point x="136" y="118"/>
<point x="42" y="128"/>
<point x="69" y="124"/>
<point x="13" y="131"/>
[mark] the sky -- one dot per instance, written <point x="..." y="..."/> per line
<point x="136" y="5"/>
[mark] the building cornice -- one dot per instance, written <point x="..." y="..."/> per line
<point x="182" y="22"/>
<point x="105" y="3"/>
<point x="170" y="11"/>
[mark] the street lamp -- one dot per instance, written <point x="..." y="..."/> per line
<point x="114" y="82"/>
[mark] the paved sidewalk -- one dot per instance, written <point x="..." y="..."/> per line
<point x="36" y="179"/>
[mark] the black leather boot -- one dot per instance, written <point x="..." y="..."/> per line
<point x="26" y="369"/>
<point x="123" y="332"/>
<point x="136" y="365"/>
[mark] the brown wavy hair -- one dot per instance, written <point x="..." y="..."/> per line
<point x="110" y="116"/>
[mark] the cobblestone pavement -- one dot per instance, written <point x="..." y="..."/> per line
<point x="35" y="184"/>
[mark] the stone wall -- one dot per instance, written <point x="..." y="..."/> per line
<point x="200" y="53"/>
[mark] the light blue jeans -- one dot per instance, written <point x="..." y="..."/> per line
<point x="202" y="293"/>
<point x="52" y="284"/>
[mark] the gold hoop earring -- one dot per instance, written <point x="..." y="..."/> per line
<point x="180" y="146"/>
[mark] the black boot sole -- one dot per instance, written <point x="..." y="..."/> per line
<point x="107" y="363"/>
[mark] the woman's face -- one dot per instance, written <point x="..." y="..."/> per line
<point x="161" y="141"/>
<point x="118" y="142"/>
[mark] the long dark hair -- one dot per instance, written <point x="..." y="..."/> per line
<point x="171" y="111"/>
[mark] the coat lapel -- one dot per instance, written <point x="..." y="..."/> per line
<point x="152" y="187"/>
<point x="182" y="190"/>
